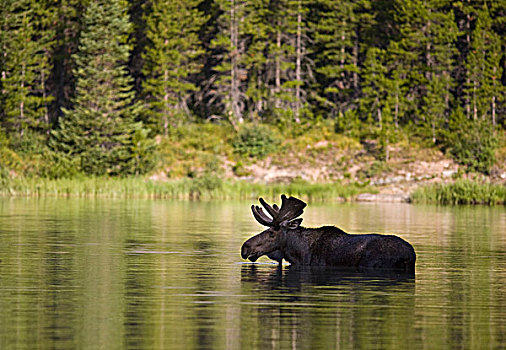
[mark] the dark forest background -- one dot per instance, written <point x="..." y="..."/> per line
<point x="92" y="86"/>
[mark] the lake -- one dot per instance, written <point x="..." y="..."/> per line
<point x="153" y="274"/>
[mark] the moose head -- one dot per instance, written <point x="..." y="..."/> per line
<point x="280" y="223"/>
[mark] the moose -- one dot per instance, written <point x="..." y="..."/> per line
<point x="323" y="246"/>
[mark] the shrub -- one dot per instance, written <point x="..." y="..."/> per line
<point x="472" y="143"/>
<point x="205" y="184"/>
<point x="256" y="141"/>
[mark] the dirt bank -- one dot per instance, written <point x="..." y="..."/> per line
<point x="407" y="168"/>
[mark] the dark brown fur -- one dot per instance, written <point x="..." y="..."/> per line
<point x="330" y="246"/>
<point x="324" y="246"/>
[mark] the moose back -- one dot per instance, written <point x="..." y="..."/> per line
<point x="324" y="246"/>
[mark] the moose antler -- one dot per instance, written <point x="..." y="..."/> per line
<point x="291" y="208"/>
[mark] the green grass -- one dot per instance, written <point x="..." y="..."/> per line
<point x="461" y="192"/>
<point x="307" y="191"/>
<point x="205" y="187"/>
<point x="211" y="187"/>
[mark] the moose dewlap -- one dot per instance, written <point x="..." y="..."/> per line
<point x="324" y="246"/>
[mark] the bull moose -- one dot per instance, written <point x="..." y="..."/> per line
<point x="323" y="246"/>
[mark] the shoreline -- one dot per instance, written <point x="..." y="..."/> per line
<point x="452" y="192"/>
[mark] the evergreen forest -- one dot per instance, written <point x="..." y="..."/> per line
<point x="103" y="87"/>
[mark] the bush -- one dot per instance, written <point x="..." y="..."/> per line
<point x="348" y="124"/>
<point x="472" y="143"/>
<point x="58" y="165"/>
<point x="205" y="184"/>
<point x="256" y="141"/>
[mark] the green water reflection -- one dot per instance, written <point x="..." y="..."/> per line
<point x="115" y="274"/>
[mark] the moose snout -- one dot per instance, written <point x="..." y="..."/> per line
<point x="245" y="250"/>
<point x="255" y="247"/>
<point x="249" y="252"/>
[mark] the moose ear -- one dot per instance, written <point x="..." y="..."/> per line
<point x="292" y="225"/>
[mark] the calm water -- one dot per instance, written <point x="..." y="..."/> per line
<point x="115" y="274"/>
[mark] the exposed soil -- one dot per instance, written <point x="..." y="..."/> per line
<point x="406" y="169"/>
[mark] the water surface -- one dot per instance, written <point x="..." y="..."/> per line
<point x="145" y="274"/>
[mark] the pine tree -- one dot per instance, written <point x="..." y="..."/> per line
<point x="498" y="76"/>
<point x="378" y="95"/>
<point x="256" y="29"/>
<point x="409" y="48"/>
<point x="99" y="134"/>
<point x="287" y="64"/>
<point x="138" y="12"/>
<point x="423" y="59"/>
<point x="26" y="41"/>
<point x="440" y="54"/>
<point x="335" y="31"/>
<point x="67" y="28"/>
<point x="298" y="10"/>
<point x="374" y="87"/>
<point x="398" y="83"/>
<point x="171" y="57"/>
<point x="484" y="69"/>
<point x="228" y="48"/>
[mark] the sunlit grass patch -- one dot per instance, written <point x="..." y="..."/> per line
<point x="461" y="192"/>
<point x="203" y="187"/>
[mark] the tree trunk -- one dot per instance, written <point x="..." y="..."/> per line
<point x="22" y="103"/>
<point x="277" y="87"/>
<point x="298" y="58"/>
<point x="493" y="111"/>
<point x="355" y="64"/>
<point x="165" y="104"/>
<point x="493" y="97"/>
<point x="433" y="131"/>
<point x="343" y="51"/>
<point x="396" y="111"/>
<point x="234" y="76"/>
<point x="468" y="80"/>
<point x="44" y="98"/>
<point x="427" y="54"/>
<point x="475" y="107"/>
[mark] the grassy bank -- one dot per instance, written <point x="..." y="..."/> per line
<point x="206" y="187"/>
<point x="461" y="192"/>
<point x="211" y="187"/>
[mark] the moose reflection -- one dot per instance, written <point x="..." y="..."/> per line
<point x="323" y="246"/>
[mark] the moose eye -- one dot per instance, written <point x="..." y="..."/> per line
<point x="272" y="234"/>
